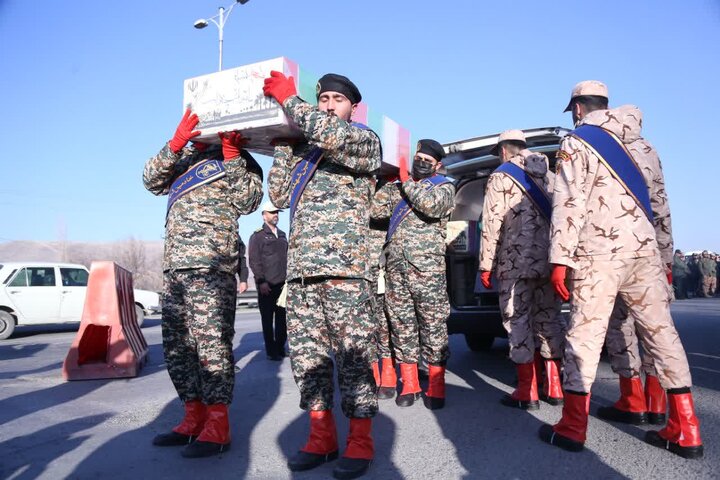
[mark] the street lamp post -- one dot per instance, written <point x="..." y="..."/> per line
<point x="221" y="17"/>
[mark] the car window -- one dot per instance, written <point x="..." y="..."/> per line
<point x="74" y="277"/>
<point x="41" y="276"/>
<point x="20" y="280"/>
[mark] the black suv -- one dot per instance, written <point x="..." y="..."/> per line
<point x="474" y="310"/>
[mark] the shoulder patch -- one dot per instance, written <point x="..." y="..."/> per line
<point x="563" y="155"/>
<point x="259" y="230"/>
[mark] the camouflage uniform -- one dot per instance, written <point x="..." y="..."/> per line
<point x="376" y="240"/>
<point x="600" y="232"/>
<point x="199" y="264"/>
<point x="329" y="304"/>
<point x="515" y="241"/>
<point x="708" y="276"/>
<point x="627" y="359"/>
<point x="416" y="297"/>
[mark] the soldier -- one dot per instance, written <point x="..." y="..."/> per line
<point x="326" y="182"/>
<point x="268" y="261"/>
<point x="385" y="373"/>
<point x="695" y="279"/>
<point x="637" y="405"/>
<point x="416" y="293"/>
<point x="680" y="274"/>
<point x="515" y="241"/>
<point x="708" y="274"/>
<point x="206" y="197"/>
<point x="603" y="231"/>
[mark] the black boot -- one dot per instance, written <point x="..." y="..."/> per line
<point x="306" y="461"/>
<point x="386" y="393"/>
<point x="347" y="468"/>
<point x="172" y="439"/>
<point x="407" y="400"/>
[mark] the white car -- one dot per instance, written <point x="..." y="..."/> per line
<point x="34" y="293"/>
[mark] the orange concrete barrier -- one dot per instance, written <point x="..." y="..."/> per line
<point x="109" y="343"/>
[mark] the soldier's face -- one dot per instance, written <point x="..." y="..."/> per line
<point x="271" y="218"/>
<point x="337" y="104"/>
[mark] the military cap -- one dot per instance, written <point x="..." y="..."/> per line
<point x="431" y="148"/>
<point x="587" y="88"/>
<point x="507" y="135"/>
<point x="269" y="207"/>
<point x="332" y="82"/>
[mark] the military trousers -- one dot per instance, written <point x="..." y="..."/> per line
<point x="708" y="283"/>
<point x="418" y="307"/>
<point x="627" y="357"/>
<point x="198" y="325"/>
<point x="531" y="315"/>
<point x="642" y="285"/>
<point x="331" y="319"/>
<point x="383" y="348"/>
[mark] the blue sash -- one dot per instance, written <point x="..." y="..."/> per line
<point x="304" y="171"/>
<point x="402" y="209"/>
<point x="199" y="174"/>
<point x="536" y="194"/>
<point x="613" y="154"/>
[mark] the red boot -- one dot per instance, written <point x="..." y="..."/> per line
<point x="322" y="444"/>
<point x="435" y="395"/>
<point x="411" y="386"/>
<point x="359" y="452"/>
<point x="187" y="430"/>
<point x="525" y="395"/>
<point x="570" y="432"/>
<point x="656" y="400"/>
<point x="551" y="390"/>
<point x="388" y="380"/>
<point x="215" y="435"/>
<point x="376" y="373"/>
<point x="682" y="433"/>
<point x="631" y="407"/>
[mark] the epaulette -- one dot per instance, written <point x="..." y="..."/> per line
<point x="259" y="230"/>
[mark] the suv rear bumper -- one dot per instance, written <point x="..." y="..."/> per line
<point x="478" y="321"/>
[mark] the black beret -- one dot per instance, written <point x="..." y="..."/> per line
<point x="332" y="82"/>
<point x="432" y="148"/>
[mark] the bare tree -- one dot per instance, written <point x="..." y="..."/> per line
<point x="131" y="256"/>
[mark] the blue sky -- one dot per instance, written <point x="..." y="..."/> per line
<point x="91" y="90"/>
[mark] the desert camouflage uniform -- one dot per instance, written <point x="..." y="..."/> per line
<point x="627" y="358"/>
<point x="416" y="297"/>
<point x="199" y="265"/>
<point x="329" y="304"/>
<point x="600" y="232"/>
<point x="515" y="242"/>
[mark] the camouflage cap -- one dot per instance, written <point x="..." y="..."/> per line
<point x="269" y="207"/>
<point x="507" y="135"/>
<point x="586" y="88"/>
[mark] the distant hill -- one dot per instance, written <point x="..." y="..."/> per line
<point x="142" y="258"/>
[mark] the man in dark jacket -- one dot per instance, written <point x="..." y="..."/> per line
<point x="680" y="275"/>
<point x="268" y="261"/>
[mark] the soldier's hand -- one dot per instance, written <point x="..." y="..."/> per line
<point x="279" y="87"/>
<point x="557" y="278"/>
<point x="264" y="288"/>
<point x="232" y="144"/>
<point x="485" y="279"/>
<point x="184" y="132"/>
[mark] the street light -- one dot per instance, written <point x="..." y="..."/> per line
<point x="222" y="17"/>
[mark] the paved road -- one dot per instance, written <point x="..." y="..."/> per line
<point x="92" y="429"/>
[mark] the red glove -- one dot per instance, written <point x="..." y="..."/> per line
<point x="668" y="273"/>
<point x="232" y="144"/>
<point x="485" y="279"/>
<point x="669" y="277"/>
<point x="557" y="278"/>
<point x="279" y="87"/>
<point x="200" y="146"/>
<point x="185" y="132"/>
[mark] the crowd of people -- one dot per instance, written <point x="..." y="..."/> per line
<point x="364" y="279"/>
<point x="696" y="275"/>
